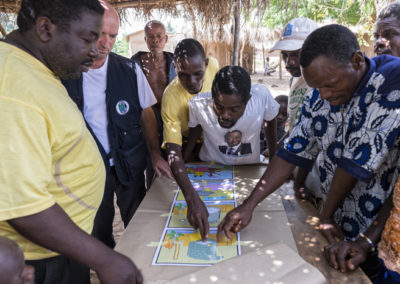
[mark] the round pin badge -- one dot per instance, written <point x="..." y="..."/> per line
<point x="122" y="107"/>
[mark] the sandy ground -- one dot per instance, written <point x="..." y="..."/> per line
<point x="275" y="85"/>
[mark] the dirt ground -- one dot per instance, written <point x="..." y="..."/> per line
<point x="275" y="85"/>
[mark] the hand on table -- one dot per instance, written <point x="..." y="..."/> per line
<point x="234" y="221"/>
<point x="346" y="256"/>
<point x="160" y="165"/>
<point x="330" y="230"/>
<point x="197" y="216"/>
<point x="119" y="269"/>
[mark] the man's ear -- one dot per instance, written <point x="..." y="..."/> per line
<point x="44" y="29"/>
<point x="166" y="38"/>
<point x="358" y="60"/>
<point x="206" y="61"/>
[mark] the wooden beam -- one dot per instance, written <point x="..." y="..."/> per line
<point x="134" y="4"/>
<point x="2" y="30"/>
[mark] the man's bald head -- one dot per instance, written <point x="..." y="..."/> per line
<point x="13" y="269"/>
<point x="109" y="34"/>
<point x="110" y="10"/>
<point x="155" y="36"/>
<point x="153" y="24"/>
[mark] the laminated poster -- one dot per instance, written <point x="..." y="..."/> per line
<point x="185" y="247"/>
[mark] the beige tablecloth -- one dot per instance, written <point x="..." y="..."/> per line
<point x="140" y="239"/>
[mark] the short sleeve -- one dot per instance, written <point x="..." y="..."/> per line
<point x="193" y="111"/>
<point x="373" y="131"/>
<point x="25" y="166"/>
<point x="145" y="93"/>
<point x="301" y="147"/>
<point x="271" y="106"/>
<point x="170" y="108"/>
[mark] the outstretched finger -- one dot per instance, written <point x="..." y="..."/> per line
<point x="206" y="228"/>
<point x="220" y="233"/>
<point x="200" y="225"/>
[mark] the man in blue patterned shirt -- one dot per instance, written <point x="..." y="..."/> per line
<point x="353" y="119"/>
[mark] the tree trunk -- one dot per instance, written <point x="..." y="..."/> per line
<point x="176" y="252"/>
<point x="236" y="33"/>
<point x="194" y="27"/>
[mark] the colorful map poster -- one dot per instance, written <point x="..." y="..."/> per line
<point x="212" y="190"/>
<point x="216" y="212"/>
<point x="209" y="172"/>
<point x="185" y="247"/>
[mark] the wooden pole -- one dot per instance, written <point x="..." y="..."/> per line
<point x="2" y="30"/>
<point x="236" y="33"/>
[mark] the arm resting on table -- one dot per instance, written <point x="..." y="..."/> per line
<point x="54" y="230"/>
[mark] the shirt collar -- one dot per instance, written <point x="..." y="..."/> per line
<point x="371" y="69"/>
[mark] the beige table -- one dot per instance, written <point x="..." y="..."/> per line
<point x="139" y="240"/>
<point x="303" y="218"/>
<point x="269" y="225"/>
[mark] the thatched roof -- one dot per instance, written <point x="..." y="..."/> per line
<point x="9" y="6"/>
<point x="208" y="11"/>
<point x="216" y="16"/>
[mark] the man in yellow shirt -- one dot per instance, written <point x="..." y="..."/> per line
<point x="51" y="172"/>
<point x="195" y="74"/>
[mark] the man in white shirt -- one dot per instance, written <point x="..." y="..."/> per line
<point x="116" y="101"/>
<point x="231" y="117"/>
<point x="293" y="36"/>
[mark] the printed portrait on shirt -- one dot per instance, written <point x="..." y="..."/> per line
<point x="234" y="145"/>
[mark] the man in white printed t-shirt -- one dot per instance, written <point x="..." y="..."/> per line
<point x="231" y="117"/>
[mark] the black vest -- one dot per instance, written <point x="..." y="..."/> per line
<point x="127" y="146"/>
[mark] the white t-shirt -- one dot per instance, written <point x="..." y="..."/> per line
<point x="94" y="93"/>
<point x="239" y="144"/>
<point x="298" y="91"/>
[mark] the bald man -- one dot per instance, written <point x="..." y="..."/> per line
<point x="157" y="64"/>
<point x="116" y="101"/>
<point x="13" y="269"/>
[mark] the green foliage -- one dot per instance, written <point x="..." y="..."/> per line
<point x="346" y="12"/>
<point x="121" y="46"/>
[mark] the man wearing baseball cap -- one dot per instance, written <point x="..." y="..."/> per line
<point x="293" y="36"/>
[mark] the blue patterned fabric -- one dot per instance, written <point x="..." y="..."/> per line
<point x="361" y="137"/>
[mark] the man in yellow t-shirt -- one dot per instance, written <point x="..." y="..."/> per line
<point x="51" y="172"/>
<point x="195" y="74"/>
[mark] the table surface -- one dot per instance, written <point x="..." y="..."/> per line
<point x="303" y="219"/>
<point x="270" y="224"/>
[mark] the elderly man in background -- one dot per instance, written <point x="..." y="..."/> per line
<point x="157" y="66"/>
